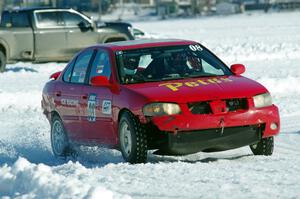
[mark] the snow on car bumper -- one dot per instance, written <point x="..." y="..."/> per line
<point x="268" y="117"/>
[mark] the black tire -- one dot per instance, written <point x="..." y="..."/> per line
<point x="264" y="147"/>
<point x="2" y="62"/>
<point x="59" y="139"/>
<point x="132" y="139"/>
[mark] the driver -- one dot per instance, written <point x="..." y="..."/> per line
<point x="178" y="63"/>
<point x="131" y="64"/>
<point x="195" y="64"/>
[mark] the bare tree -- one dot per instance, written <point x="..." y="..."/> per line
<point x="2" y="3"/>
<point x="100" y="10"/>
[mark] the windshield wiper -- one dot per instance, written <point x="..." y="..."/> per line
<point x="172" y="78"/>
<point x="198" y="76"/>
<point x="138" y="81"/>
<point x="152" y="80"/>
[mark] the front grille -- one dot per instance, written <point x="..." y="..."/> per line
<point x="236" y="104"/>
<point x="205" y="107"/>
<point x="200" y="108"/>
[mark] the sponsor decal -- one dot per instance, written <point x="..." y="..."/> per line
<point x="69" y="102"/>
<point x="92" y="107"/>
<point x="175" y="86"/>
<point x="99" y="69"/>
<point x="106" y="107"/>
<point x="81" y="76"/>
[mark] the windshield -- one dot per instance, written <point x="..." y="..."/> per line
<point x="168" y="63"/>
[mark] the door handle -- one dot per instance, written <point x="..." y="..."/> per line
<point x="58" y="93"/>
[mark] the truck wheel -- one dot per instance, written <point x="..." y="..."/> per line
<point x="132" y="139"/>
<point x="59" y="139"/>
<point x="2" y="62"/>
<point x="264" y="147"/>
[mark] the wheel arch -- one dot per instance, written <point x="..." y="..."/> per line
<point x="114" y="39"/>
<point x="121" y="112"/>
<point x="53" y="114"/>
<point x="4" y="48"/>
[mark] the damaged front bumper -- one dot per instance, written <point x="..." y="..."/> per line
<point x="190" y="133"/>
<point x="210" y="140"/>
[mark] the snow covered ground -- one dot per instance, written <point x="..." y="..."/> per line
<point x="269" y="46"/>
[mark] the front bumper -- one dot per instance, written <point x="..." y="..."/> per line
<point x="185" y="122"/>
<point x="210" y="140"/>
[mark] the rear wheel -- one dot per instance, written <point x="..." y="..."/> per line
<point x="132" y="139"/>
<point x="264" y="147"/>
<point x="2" y="62"/>
<point x="59" y="139"/>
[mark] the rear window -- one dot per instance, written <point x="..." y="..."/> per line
<point x="5" y="19"/>
<point x="81" y="66"/>
<point x="14" y="19"/>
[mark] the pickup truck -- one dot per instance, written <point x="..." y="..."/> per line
<point x="51" y="34"/>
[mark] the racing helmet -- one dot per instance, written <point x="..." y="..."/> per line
<point x="131" y="64"/>
<point x="179" y="61"/>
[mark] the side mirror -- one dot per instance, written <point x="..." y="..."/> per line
<point x="84" y="27"/>
<point x="138" y="33"/>
<point x="237" y="69"/>
<point x="55" y="75"/>
<point x="100" y="81"/>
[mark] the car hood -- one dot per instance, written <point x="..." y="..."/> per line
<point x="198" y="89"/>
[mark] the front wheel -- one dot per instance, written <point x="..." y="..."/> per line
<point x="59" y="139"/>
<point x="2" y="62"/>
<point x="264" y="147"/>
<point x="132" y="139"/>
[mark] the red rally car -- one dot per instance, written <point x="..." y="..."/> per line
<point x="172" y="96"/>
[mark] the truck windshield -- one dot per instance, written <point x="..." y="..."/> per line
<point x="168" y="63"/>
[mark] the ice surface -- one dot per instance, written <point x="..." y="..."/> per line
<point x="269" y="46"/>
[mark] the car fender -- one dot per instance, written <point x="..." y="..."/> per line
<point x="130" y="101"/>
<point x="111" y="37"/>
<point x="5" y="46"/>
<point x="48" y="104"/>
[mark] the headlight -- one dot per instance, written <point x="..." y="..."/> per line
<point x="262" y="100"/>
<point x="155" y="109"/>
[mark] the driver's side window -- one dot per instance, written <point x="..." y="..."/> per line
<point x="73" y="20"/>
<point x="101" y="65"/>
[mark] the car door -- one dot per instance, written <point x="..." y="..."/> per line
<point x="50" y="36"/>
<point x="97" y="105"/>
<point x="19" y="27"/>
<point x="69" y="93"/>
<point x="80" y="32"/>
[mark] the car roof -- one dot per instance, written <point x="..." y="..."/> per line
<point x="30" y="9"/>
<point x="145" y="43"/>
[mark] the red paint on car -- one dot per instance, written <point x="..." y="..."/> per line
<point x="201" y="106"/>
